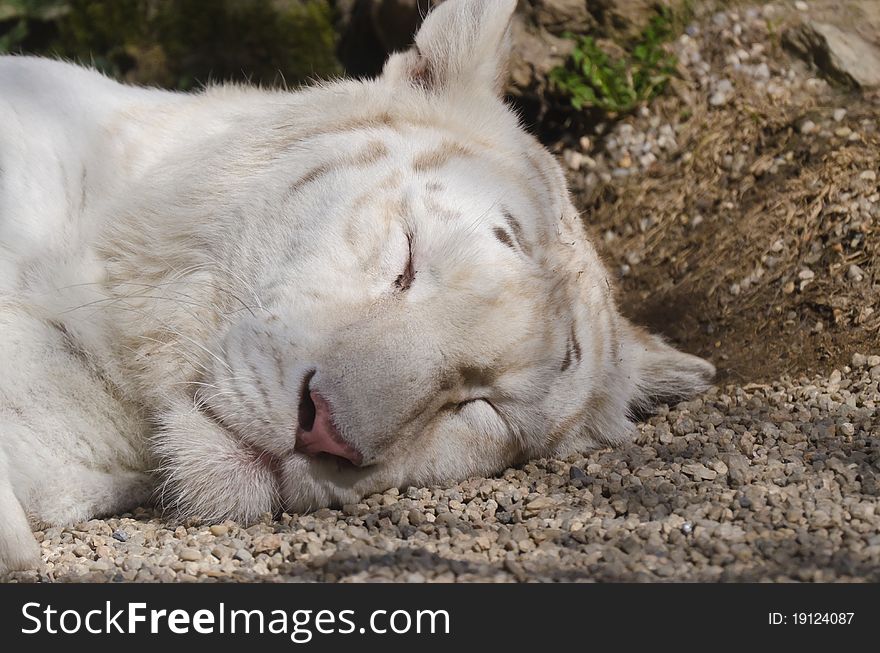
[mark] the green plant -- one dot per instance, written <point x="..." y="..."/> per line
<point x="615" y="85"/>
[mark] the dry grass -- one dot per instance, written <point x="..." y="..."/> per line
<point x="723" y="231"/>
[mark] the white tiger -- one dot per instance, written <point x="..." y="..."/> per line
<point x="245" y="300"/>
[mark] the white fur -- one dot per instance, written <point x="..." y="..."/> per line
<point x="172" y="266"/>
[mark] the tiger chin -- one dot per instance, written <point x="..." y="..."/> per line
<point x="243" y="300"/>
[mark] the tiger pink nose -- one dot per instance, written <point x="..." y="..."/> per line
<point x="318" y="434"/>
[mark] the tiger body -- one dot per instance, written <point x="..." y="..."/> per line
<point x="244" y="300"/>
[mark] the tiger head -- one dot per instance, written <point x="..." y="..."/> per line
<point x="412" y="298"/>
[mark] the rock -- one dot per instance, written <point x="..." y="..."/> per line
<point x="720" y="467"/>
<point x="699" y="472"/>
<point x="842" y="56"/>
<point x="647" y="160"/>
<point x="519" y="534"/>
<point x="863" y="510"/>
<point x="722" y="93"/>
<point x="120" y="536"/>
<point x="267" y="543"/>
<point x="540" y="503"/>
<point x="354" y="509"/>
<point x="807" y="127"/>
<point x="820" y="519"/>
<point x="244" y="555"/>
<point x="416" y="517"/>
<point x="516" y="569"/>
<point x="737" y="469"/>
<point x="859" y="360"/>
<point x="575" y="473"/>
<point x="219" y="530"/>
<point x="839" y="114"/>
<point x="133" y="564"/>
<point x="189" y="554"/>
<point x="855" y="273"/>
<point x="573" y="159"/>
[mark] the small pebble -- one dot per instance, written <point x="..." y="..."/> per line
<point x="191" y="555"/>
<point x="855" y="273"/>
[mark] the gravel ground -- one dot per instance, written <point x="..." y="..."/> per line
<point x="761" y="482"/>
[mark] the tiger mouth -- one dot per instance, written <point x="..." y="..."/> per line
<point x="263" y="458"/>
<point x="273" y="462"/>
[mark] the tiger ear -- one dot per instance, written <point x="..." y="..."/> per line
<point x="662" y="373"/>
<point x="462" y="45"/>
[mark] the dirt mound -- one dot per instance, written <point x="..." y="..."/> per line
<point x="752" y="240"/>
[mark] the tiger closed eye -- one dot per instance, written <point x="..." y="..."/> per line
<point x="405" y="279"/>
<point x="461" y="404"/>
